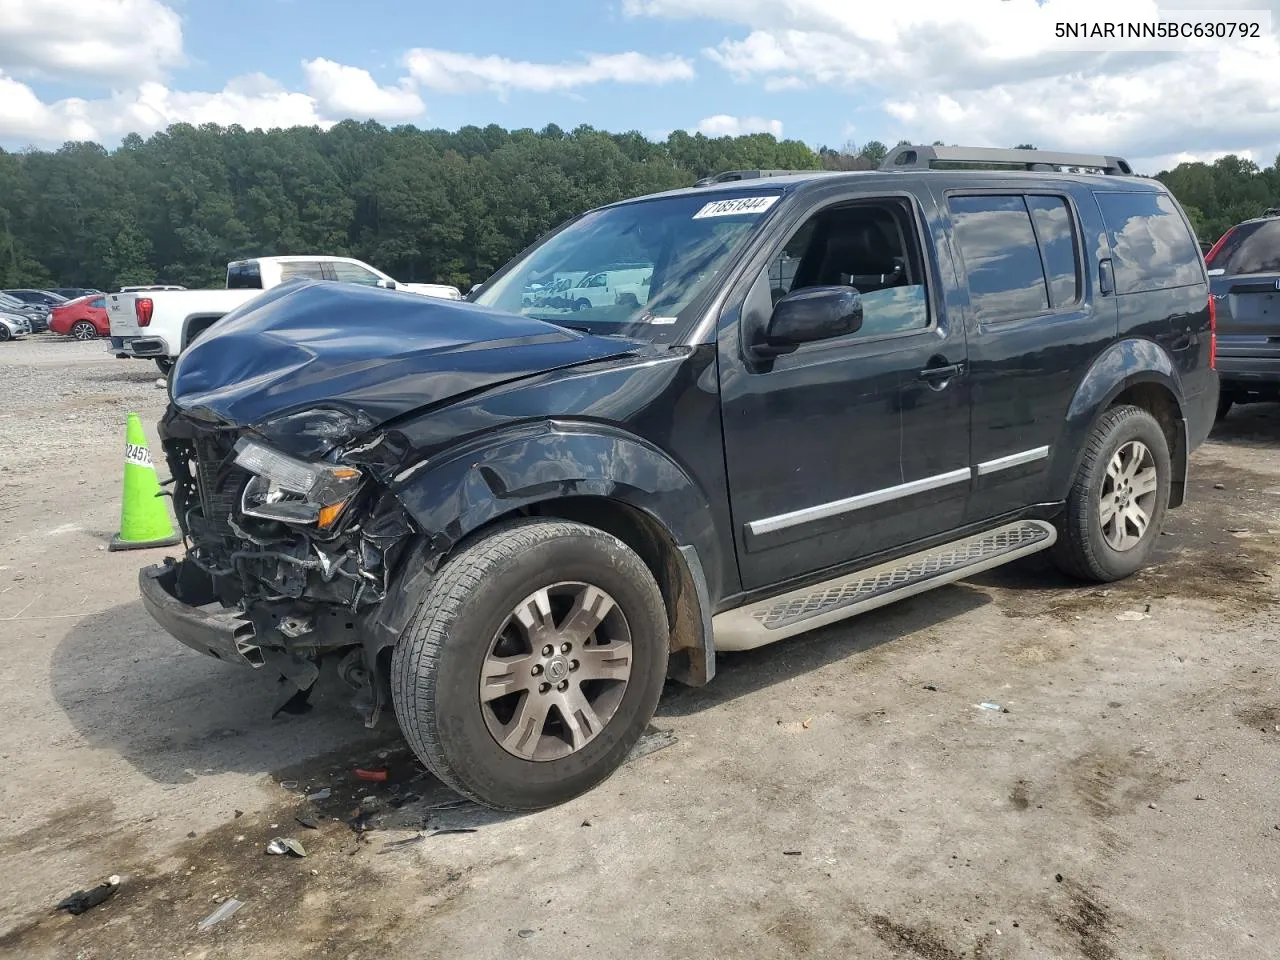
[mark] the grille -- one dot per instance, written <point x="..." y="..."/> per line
<point x="219" y="484"/>
<point x="919" y="568"/>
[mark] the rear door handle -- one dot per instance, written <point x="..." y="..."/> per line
<point x="939" y="374"/>
<point x="1106" y="278"/>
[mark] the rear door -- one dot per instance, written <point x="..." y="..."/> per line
<point x="1247" y="290"/>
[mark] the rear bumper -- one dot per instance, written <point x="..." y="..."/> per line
<point x="1249" y="370"/>
<point x="213" y="632"/>
<point x="141" y="347"/>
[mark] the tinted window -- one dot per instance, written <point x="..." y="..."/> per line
<point x="1250" y="248"/>
<point x="351" y="273"/>
<point x="998" y="247"/>
<point x="1055" y="228"/>
<point x="244" y="276"/>
<point x="307" y="269"/>
<point x="870" y="247"/>
<point x="1151" y="246"/>
<point x="99" y="303"/>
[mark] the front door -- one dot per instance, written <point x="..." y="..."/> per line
<point x="851" y="446"/>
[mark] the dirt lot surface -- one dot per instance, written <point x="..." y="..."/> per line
<point x="839" y="795"/>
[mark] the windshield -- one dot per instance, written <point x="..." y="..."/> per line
<point x="10" y="302"/>
<point x="638" y="270"/>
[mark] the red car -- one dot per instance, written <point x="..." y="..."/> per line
<point x="84" y="318"/>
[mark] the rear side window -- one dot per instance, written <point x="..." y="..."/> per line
<point x="1001" y="259"/>
<point x="307" y="269"/>
<point x="98" y="303"/>
<point x="1055" y="229"/>
<point x="1250" y="248"/>
<point x="1151" y="245"/>
<point x="244" y="276"/>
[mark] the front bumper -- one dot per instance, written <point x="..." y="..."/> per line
<point x="222" y="635"/>
<point x="144" y="348"/>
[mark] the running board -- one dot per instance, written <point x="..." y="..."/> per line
<point x="808" y="608"/>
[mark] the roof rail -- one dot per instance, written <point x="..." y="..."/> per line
<point x="731" y="175"/>
<point x="909" y="157"/>
<point x="1271" y="212"/>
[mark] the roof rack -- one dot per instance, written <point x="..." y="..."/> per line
<point x="730" y="175"/>
<point x="909" y="157"/>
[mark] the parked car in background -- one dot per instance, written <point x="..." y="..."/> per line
<point x="84" y="318"/>
<point x="74" y="293"/>
<point x="158" y="325"/>
<point x="1244" y="273"/>
<point x="44" y="298"/>
<point x="36" y="314"/>
<point x="512" y="524"/>
<point x="156" y="286"/>
<point x="13" y="327"/>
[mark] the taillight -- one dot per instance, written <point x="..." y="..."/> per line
<point x="1213" y="332"/>
<point x="143" y="307"/>
<point x="1213" y="251"/>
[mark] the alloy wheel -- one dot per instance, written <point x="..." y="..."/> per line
<point x="1128" y="496"/>
<point x="556" y="671"/>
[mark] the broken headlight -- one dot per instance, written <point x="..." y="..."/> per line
<point x="294" y="491"/>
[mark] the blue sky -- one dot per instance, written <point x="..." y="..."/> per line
<point x="983" y="72"/>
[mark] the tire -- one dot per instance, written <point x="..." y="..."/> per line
<point x="4" y="333"/>
<point x="1089" y="546"/>
<point x="469" y="612"/>
<point x="84" y="330"/>
<point x="165" y="364"/>
<point x="583" y="304"/>
<point x="1225" y="403"/>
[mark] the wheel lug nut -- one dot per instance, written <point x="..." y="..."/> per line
<point x="566" y="647"/>
<point x="544" y="687"/>
<point x="573" y="664"/>
<point x="548" y="650"/>
<point x="537" y="669"/>
<point x="563" y="685"/>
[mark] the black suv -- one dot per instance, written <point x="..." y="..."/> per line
<point x="824" y="392"/>
<point x="1244" y="273"/>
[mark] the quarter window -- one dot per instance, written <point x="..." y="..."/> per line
<point x="1055" y="230"/>
<point x="98" y="303"/>
<point x="1151" y="245"/>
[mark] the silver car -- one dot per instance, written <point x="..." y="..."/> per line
<point x="13" y="327"/>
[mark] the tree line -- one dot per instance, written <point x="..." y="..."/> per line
<point x="421" y="205"/>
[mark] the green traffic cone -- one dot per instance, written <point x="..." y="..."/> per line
<point x="144" y="516"/>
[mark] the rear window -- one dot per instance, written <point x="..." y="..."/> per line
<point x="1152" y="247"/>
<point x="1250" y="248"/>
<point x="244" y="276"/>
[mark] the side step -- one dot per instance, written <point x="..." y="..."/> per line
<point x="817" y="605"/>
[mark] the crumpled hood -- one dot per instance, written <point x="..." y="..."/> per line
<point x="379" y="353"/>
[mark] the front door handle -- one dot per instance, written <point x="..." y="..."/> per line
<point x="942" y="374"/>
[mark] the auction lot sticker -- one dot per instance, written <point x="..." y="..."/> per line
<point x="727" y="208"/>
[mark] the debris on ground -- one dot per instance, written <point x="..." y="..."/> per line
<point x="808" y="723"/>
<point x="289" y="784"/>
<point x="1132" y="616"/>
<point x="651" y="742"/>
<point x="791" y="853"/>
<point x="930" y="687"/>
<point x="392" y="845"/>
<point x="309" y="822"/>
<point x="988" y="705"/>
<point x="376" y="776"/>
<point x="82" y="900"/>
<point x="324" y="794"/>
<point x="398" y="802"/>
<point x="282" y="845"/>
<point x="222" y="913"/>
<point x="525" y="934"/>
<point x="441" y="833"/>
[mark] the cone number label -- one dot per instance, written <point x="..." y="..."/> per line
<point x="138" y="455"/>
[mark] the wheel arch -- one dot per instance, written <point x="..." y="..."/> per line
<point x="1136" y="372"/>
<point x="591" y="474"/>
<point x="196" y="324"/>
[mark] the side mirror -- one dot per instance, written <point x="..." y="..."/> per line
<point x="387" y="284"/>
<point x="811" y="314"/>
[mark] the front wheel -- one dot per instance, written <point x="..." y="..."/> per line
<point x="532" y="665"/>
<point x="1117" y="504"/>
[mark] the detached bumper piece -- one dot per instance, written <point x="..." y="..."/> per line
<point x="222" y="635"/>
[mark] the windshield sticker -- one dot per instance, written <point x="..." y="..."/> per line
<point x="663" y="319"/>
<point x="728" y="208"/>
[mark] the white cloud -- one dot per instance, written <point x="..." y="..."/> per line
<point x="112" y="40"/>
<point x="341" y="91"/>
<point x="723" y="125"/>
<point x="994" y="73"/>
<point x="251" y="101"/>
<point x="450" y="72"/>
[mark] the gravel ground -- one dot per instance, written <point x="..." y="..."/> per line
<point x="842" y="794"/>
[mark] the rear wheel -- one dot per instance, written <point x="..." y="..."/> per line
<point x="1118" y="501"/>
<point x="4" y="333"/>
<point x="1225" y="402"/>
<point x="532" y="665"/>
<point x="165" y="365"/>
<point x="84" y="330"/>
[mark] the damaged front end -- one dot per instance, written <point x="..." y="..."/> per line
<point x="288" y="562"/>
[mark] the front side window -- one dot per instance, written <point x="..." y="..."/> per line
<point x="649" y="264"/>
<point x="871" y="246"/>
<point x="1151" y="245"/>
<point x="345" y="272"/>
<point x="1001" y="259"/>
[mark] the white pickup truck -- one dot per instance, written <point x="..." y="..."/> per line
<point x="159" y="324"/>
